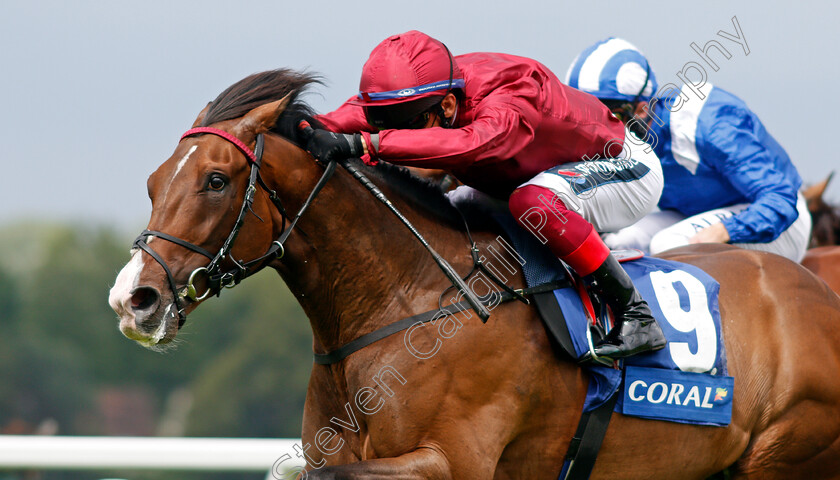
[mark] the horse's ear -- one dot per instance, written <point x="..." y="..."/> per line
<point x="813" y="194"/>
<point x="201" y="115"/>
<point x="263" y="118"/>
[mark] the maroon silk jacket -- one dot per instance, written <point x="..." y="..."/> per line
<point x="516" y="121"/>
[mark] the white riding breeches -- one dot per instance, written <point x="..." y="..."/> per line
<point x="610" y="194"/>
<point x="666" y="229"/>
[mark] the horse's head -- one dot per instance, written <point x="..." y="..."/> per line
<point x="213" y="216"/>
<point x="825" y="217"/>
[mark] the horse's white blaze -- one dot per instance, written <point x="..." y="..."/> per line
<point x="183" y="161"/>
<point x="178" y="169"/>
<point x="128" y="278"/>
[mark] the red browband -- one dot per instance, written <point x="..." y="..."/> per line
<point x="252" y="158"/>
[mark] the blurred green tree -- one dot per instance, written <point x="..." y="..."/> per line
<point x="242" y="360"/>
<point x="257" y="385"/>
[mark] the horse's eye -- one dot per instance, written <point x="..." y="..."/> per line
<point x="216" y="183"/>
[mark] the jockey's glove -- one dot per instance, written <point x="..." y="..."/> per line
<point x="327" y="146"/>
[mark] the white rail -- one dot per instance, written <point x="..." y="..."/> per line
<point x="145" y="453"/>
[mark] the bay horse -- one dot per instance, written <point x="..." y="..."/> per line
<point x="824" y="256"/>
<point x="825" y="217"/>
<point x="825" y="263"/>
<point x="493" y="401"/>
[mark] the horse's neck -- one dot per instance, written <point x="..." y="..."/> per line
<point x="354" y="267"/>
<point x="371" y="270"/>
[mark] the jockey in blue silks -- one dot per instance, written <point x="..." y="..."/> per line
<point x="727" y="180"/>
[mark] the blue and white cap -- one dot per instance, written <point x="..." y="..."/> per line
<point x="613" y="69"/>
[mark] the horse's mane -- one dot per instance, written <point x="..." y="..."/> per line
<point x="264" y="87"/>
<point x="419" y="191"/>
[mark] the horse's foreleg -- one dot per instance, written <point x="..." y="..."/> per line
<point x="421" y="464"/>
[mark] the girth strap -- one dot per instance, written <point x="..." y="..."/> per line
<point x="585" y="445"/>
<point x="353" y="346"/>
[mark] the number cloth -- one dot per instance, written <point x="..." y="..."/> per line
<point x="684" y="300"/>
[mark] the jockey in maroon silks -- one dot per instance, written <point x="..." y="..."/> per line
<point x="506" y="126"/>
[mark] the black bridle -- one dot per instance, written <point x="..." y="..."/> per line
<point x="216" y="277"/>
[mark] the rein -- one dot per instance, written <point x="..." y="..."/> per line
<point x="216" y="278"/>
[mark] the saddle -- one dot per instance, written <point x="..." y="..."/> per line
<point x="600" y="318"/>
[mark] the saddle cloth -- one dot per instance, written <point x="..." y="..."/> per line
<point x="687" y="381"/>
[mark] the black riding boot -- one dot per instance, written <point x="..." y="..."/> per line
<point x="635" y="329"/>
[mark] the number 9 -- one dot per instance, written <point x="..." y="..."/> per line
<point x="697" y="319"/>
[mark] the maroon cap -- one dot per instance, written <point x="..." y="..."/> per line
<point x="407" y="67"/>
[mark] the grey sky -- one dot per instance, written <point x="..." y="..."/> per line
<point x="96" y="94"/>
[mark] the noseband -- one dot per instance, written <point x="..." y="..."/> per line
<point x="216" y="278"/>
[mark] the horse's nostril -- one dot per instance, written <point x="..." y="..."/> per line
<point x="143" y="298"/>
